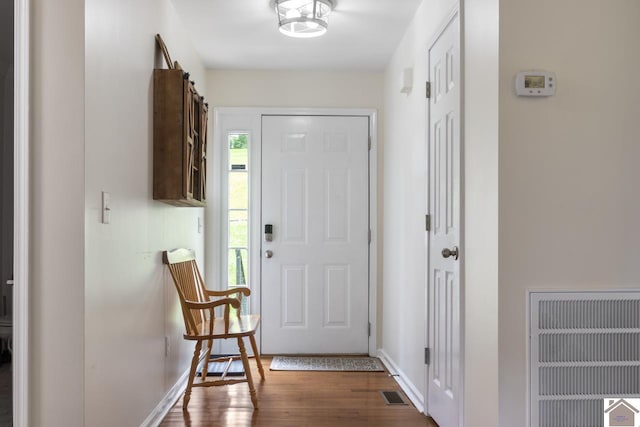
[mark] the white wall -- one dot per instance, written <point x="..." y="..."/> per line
<point x="130" y="302"/>
<point x="339" y="89"/>
<point x="569" y="173"/>
<point x="481" y="213"/>
<point x="405" y="180"/>
<point x="57" y="223"/>
<point x="242" y="88"/>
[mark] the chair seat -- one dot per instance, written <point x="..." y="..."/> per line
<point x="242" y="327"/>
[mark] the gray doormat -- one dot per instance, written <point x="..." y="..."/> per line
<point x="315" y="363"/>
<point x="216" y="369"/>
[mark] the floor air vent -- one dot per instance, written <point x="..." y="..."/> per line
<point x="392" y="398"/>
<point x="584" y="347"/>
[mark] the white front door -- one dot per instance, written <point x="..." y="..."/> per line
<point x="315" y="197"/>
<point x="444" y="394"/>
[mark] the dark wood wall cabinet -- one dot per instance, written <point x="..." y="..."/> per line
<point x="179" y="139"/>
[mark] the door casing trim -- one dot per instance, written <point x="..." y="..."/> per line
<point x="21" y="216"/>
<point x="253" y="117"/>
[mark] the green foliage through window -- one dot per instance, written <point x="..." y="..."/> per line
<point x="238" y="141"/>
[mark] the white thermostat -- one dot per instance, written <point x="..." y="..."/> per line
<point x="535" y="83"/>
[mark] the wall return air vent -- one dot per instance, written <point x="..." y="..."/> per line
<point x="584" y="347"/>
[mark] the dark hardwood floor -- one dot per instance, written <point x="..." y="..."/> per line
<point x="300" y="399"/>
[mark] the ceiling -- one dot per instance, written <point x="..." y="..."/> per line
<point x="243" y="34"/>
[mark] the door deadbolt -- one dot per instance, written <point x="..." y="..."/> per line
<point x="268" y="254"/>
<point x="453" y="252"/>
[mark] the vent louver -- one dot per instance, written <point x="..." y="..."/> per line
<point x="583" y="347"/>
<point x="392" y="398"/>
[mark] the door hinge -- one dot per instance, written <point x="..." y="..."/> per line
<point x="369" y="330"/>
<point x="369" y="143"/>
<point x="427" y="356"/>
<point x="428" y="90"/>
<point x="369" y="236"/>
<point x="427" y="222"/>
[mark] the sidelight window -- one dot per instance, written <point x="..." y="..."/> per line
<point x="238" y="213"/>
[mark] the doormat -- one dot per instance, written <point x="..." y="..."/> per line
<point x="345" y="364"/>
<point x="216" y="369"/>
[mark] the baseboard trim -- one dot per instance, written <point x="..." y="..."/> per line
<point x="162" y="409"/>
<point x="401" y="378"/>
<point x="164" y="406"/>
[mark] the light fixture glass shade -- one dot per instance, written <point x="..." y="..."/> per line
<point x="303" y="18"/>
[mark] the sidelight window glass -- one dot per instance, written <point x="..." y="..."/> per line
<point x="238" y="212"/>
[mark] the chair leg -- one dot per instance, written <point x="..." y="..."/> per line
<point x="247" y="370"/>
<point x="192" y="374"/>
<point x="256" y="354"/>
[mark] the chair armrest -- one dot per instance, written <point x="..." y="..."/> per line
<point x="241" y="289"/>
<point x="211" y="304"/>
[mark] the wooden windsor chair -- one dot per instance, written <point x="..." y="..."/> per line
<point x="202" y="325"/>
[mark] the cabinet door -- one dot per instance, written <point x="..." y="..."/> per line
<point x="190" y="140"/>
<point x="203" y="150"/>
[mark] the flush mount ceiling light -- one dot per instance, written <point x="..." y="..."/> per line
<point x="303" y="18"/>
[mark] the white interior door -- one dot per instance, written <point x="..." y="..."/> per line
<point x="315" y="195"/>
<point x="444" y="393"/>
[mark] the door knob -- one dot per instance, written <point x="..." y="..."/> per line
<point x="268" y="253"/>
<point x="446" y="252"/>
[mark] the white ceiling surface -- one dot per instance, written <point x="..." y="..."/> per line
<point x="243" y="35"/>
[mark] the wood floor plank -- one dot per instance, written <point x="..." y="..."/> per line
<point x="299" y="399"/>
